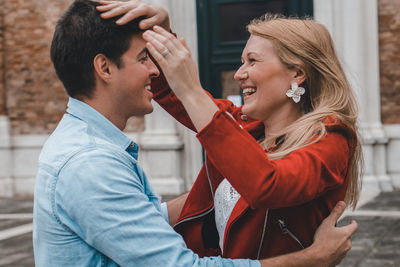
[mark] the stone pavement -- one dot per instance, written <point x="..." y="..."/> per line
<point x="16" y="232"/>
<point x="376" y="243"/>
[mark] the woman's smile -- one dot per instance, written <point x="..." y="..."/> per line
<point x="249" y="91"/>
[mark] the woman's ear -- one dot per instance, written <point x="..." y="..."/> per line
<point x="300" y="76"/>
<point x="102" y="67"/>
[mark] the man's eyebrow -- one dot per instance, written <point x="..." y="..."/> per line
<point x="144" y="50"/>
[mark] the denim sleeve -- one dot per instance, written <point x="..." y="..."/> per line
<point x="164" y="211"/>
<point x="101" y="198"/>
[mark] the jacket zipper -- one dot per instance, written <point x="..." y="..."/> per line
<point x="286" y="231"/>
<point x="212" y="193"/>
<point x="208" y="174"/>
<point x="194" y="217"/>
<point x="227" y="230"/>
<point x="263" y="234"/>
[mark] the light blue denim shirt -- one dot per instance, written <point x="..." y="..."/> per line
<point x="94" y="205"/>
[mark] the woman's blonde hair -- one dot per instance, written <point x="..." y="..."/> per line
<point x="306" y="45"/>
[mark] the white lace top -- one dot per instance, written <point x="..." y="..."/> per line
<point x="225" y="199"/>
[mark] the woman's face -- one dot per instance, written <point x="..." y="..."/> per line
<point x="264" y="80"/>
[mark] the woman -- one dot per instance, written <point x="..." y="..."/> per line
<point x="276" y="166"/>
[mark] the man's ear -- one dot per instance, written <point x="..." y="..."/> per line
<point x="102" y="67"/>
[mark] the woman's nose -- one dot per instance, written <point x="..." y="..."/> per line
<point x="241" y="75"/>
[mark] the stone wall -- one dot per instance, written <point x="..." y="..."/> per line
<point x="2" y="92"/>
<point x="35" y="99"/>
<point x="389" y="49"/>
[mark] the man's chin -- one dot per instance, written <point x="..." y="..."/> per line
<point x="149" y="110"/>
<point x="144" y="110"/>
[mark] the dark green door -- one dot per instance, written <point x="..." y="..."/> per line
<point x="222" y="37"/>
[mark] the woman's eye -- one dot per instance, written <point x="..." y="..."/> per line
<point x="252" y="61"/>
<point x="249" y="60"/>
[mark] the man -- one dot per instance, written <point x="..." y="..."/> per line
<point x="93" y="203"/>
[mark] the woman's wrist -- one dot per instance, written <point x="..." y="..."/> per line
<point x="191" y="94"/>
<point x="200" y="107"/>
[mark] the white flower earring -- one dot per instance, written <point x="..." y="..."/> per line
<point x="295" y="92"/>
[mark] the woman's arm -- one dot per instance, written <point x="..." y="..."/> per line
<point x="167" y="99"/>
<point x="298" y="178"/>
<point x="181" y="72"/>
<point x="175" y="207"/>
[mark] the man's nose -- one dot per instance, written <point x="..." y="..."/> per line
<point x="154" y="71"/>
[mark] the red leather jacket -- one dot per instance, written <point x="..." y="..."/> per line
<point x="282" y="201"/>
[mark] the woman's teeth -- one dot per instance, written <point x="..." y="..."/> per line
<point x="148" y="87"/>
<point x="248" y="91"/>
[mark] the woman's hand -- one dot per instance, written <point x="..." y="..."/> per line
<point x="175" y="60"/>
<point x="180" y="70"/>
<point x="154" y="14"/>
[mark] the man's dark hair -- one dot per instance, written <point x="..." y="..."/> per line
<point x="79" y="36"/>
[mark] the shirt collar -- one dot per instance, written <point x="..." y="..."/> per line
<point x="100" y="123"/>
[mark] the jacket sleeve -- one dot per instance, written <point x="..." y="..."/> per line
<point x="303" y="175"/>
<point x="166" y="98"/>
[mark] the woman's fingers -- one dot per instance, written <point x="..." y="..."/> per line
<point x="149" y="22"/>
<point x="113" y="9"/>
<point x="156" y="55"/>
<point x="106" y="7"/>
<point x="151" y="14"/>
<point x="164" y="33"/>
<point x="183" y="42"/>
<point x="159" y="42"/>
<point x="133" y="14"/>
<point x="168" y="37"/>
<point x="107" y="2"/>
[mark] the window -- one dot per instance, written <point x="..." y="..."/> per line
<point x="222" y="36"/>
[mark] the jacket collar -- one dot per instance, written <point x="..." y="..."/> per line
<point x="255" y="128"/>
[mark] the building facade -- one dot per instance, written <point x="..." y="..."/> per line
<point x="32" y="100"/>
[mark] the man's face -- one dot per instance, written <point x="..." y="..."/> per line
<point x="132" y="80"/>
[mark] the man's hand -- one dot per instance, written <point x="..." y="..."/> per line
<point x="334" y="242"/>
<point x="330" y="246"/>
<point x="154" y="14"/>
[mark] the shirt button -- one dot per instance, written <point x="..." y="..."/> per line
<point x="243" y="117"/>
<point x="132" y="145"/>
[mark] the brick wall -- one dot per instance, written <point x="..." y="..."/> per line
<point x="389" y="49"/>
<point x="35" y="98"/>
